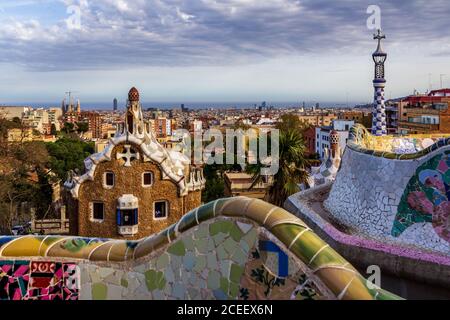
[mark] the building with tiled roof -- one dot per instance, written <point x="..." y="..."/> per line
<point x="134" y="187"/>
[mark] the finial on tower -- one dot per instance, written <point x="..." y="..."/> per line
<point x="133" y="95"/>
<point x="379" y="36"/>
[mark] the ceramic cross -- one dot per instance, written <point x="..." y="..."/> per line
<point x="128" y="156"/>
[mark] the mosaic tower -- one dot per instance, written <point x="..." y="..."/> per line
<point x="379" y="83"/>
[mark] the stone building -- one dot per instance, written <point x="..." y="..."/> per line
<point x="238" y="184"/>
<point x="134" y="187"/>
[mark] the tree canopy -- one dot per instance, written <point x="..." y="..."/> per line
<point x="68" y="154"/>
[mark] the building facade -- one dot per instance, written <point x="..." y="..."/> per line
<point x="134" y="187"/>
<point x="240" y="184"/>
<point x="94" y="120"/>
<point x="310" y="141"/>
<point x="425" y="114"/>
<point x="11" y="112"/>
<point x="318" y="120"/>
<point x="324" y="136"/>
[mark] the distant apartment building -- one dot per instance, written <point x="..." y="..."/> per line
<point x="94" y="119"/>
<point x="20" y="135"/>
<point x="425" y="114"/>
<point x="54" y="117"/>
<point x="358" y="116"/>
<point x="323" y="140"/>
<point x="108" y="130"/>
<point x="310" y="141"/>
<point x="240" y="184"/>
<point x="163" y="127"/>
<point x="318" y="120"/>
<point x="365" y="117"/>
<point x="392" y="118"/>
<point x="11" y="112"/>
<point x="40" y="119"/>
<point x="195" y="126"/>
<point x="71" y="117"/>
<point x="442" y="93"/>
<point x="36" y="119"/>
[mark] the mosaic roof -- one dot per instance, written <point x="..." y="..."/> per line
<point x="391" y="147"/>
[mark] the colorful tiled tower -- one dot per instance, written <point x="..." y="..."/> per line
<point x="379" y="83"/>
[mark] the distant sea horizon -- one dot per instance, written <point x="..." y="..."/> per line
<point x="105" y="106"/>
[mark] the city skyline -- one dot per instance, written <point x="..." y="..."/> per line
<point x="244" y="51"/>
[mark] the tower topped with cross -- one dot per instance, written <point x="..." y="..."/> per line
<point x="379" y="127"/>
<point x="379" y="36"/>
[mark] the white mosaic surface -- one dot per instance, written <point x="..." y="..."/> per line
<point x="198" y="270"/>
<point x="366" y="196"/>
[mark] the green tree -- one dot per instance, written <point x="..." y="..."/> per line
<point x="68" y="127"/>
<point x="215" y="185"/>
<point x="43" y="195"/>
<point x="20" y="181"/>
<point x="292" y="122"/>
<point x="292" y="171"/>
<point x="53" y="131"/>
<point x="82" y="127"/>
<point x="68" y="154"/>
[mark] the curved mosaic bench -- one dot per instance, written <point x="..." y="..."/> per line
<point x="400" y="199"/>
<point x="282" y="233"/>
<point x="362" y="141"/>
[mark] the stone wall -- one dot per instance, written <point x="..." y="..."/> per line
<point x="128" y="180"/>
<point x="398" y="201"/>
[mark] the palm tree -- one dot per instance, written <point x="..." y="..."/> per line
<point x="292" y="171"/>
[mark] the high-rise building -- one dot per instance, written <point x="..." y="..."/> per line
<point x="163" y="127"/>
<point x="94" y="120"/>
<point x="115" y="104"/>
<point x="379" y="125"/>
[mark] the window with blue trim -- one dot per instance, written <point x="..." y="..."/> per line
<point x="127" y="217"/>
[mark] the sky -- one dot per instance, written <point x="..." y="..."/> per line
<point x="218" y="50"/>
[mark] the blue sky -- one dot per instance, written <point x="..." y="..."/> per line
<point x="218" y="50"/>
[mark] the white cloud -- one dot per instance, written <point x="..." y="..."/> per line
<point x="226" y="34"/>
<point x="205" y="32"/>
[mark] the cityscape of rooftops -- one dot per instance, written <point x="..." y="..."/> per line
<point x="208" y="153"/>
